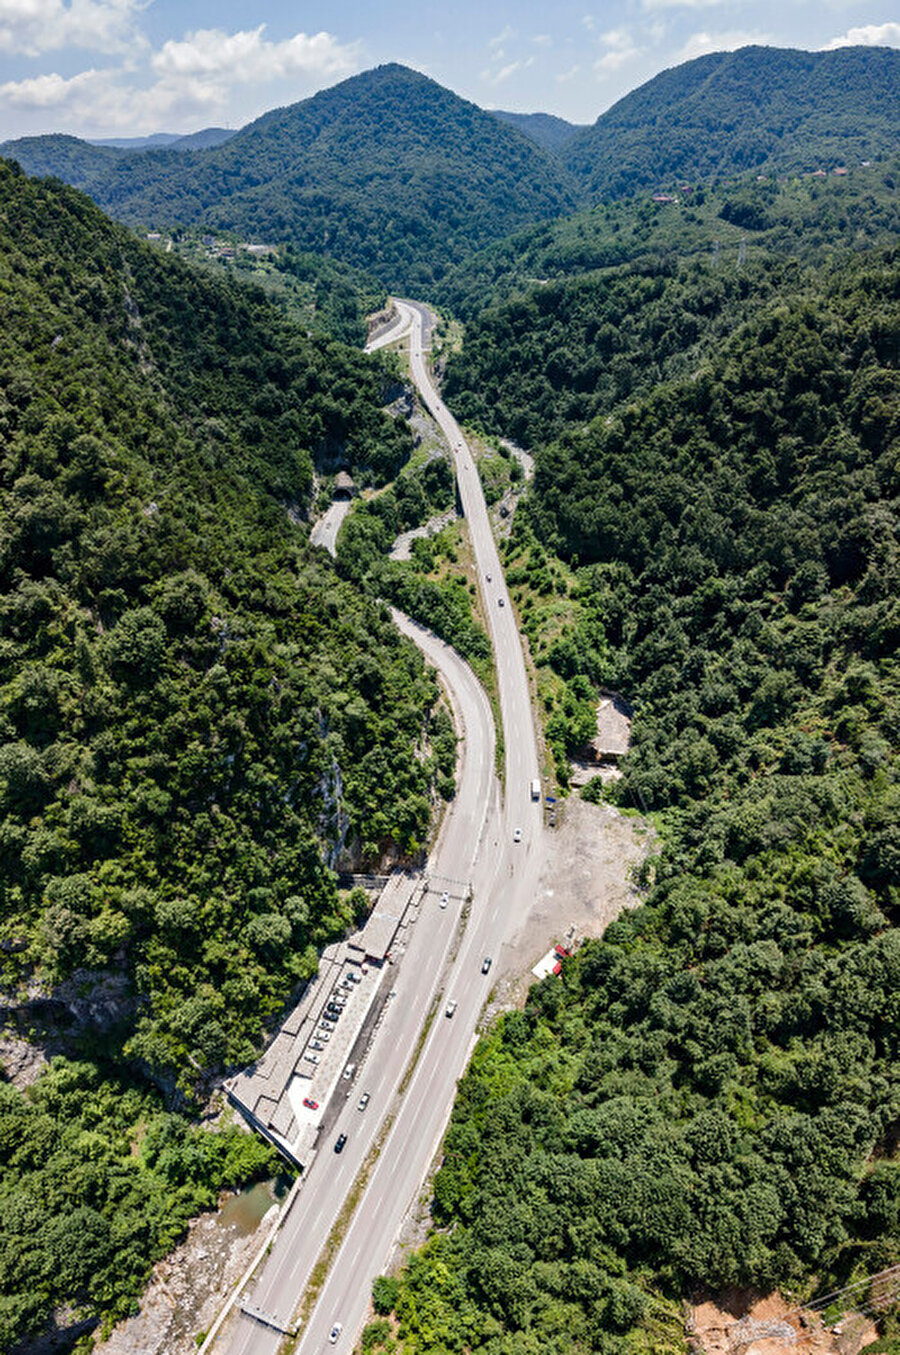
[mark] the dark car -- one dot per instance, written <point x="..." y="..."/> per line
<point x="485" y="964"/>
<point x="339" y="1143"/>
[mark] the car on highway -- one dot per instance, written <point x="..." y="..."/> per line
<point x="500" y="602"/>
<point x="488" y="577"/>
<point x="451" y="1008"/>
<point x="517" y="835"/>
<point x="485" y="964"/>
<point x="335" y="1332"/>
<point x="445" y="898"/>
<point x="310" y="1103"/>
<point x="364" y="1101"/>
<point x="339" y="1143"/>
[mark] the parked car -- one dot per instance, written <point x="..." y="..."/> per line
<point x="310" y="1103"/>
<point x="451" y="1008"/>
<point x="339" y="1143"/>
<point x="335" y="1332"/>
<point x="317" y="1044"/>
<point x="349" y="1071"/>
<point x="311" y="1058"/>
<point x="363" y="1101"/>
<point x="354" y="978"/>
<point x="485" y="964"/>
<point x="326" y="1025"/>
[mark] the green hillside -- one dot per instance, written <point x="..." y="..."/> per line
<point x="709" y="1095"/>
<point x="761" y="108"/>
<point x="195" y="713"/>
<point x="567" y="319"/>
<point x="546" y="129"/>
<point x="386" y="171"/>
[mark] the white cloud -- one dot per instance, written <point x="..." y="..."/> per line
<point x="682" y="4"/>
<point x="214" y="56"/>
<point x="542" y="40"/>
<point x="46" y="91"/>
<point x="186" y="84"/>
<point x="29" y="27"/>
<point x="500" y="38"/>
<point x="565" y="76"/>
<point x="504" y="73"/>
<point x="620" y="49"/>
<point x="700" y="44"/>
<point x="870" y="35"/>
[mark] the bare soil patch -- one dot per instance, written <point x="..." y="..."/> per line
<point x="746" y="1322"/>
<point x="587" y="880"/>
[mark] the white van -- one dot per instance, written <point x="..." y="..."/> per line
<point x="535" y="790"/>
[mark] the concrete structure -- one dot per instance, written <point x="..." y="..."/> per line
<point x="308" y="1055"/>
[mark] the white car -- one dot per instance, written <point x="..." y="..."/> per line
<point x="335" y="1332"/>
<point x="445" y="898"/>
<point x="451" y="1008"/>
<point x="517" y="835"/>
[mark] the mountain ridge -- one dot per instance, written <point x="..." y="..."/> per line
<point x="730" y="112"/>
<point x="386" y="170"/>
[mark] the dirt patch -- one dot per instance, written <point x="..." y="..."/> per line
<point x="187" y="1290"/>
<point x="745" y="1322"/>
<point x="586" y="882"/>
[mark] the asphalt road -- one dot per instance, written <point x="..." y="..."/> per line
<point x="475" y="845"/>
<point x="325" y="531"/>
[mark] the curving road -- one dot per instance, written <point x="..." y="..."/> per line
<point x="475" y="846"/>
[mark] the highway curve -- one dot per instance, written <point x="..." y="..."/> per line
<point x="475" y="847"/>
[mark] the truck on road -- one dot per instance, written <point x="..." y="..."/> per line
<point x="535" y="789"/>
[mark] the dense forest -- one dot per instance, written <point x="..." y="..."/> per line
<point x="708" y="1095"/>
<point x="804" y="217"/>
<point x="760" y="109"/>
<point x="393" y="174"/>
<point x="196" y="716"/>
<point x="387" y="171"/>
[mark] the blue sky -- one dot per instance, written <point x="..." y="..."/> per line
<point x="128" y="67"/>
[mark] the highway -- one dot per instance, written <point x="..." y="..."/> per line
<point x="475" y="845"/>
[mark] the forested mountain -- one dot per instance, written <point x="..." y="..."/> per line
<point x="568" y="319"/>
<point x="207" y="136"/>
<point x="386" y="171"/>
<point x="195" y="712"/>
<point x="710" y="1094"/>
<point x="546" y="129"/>
<point x="804" y="217"/>
<point x="761" y="108"/>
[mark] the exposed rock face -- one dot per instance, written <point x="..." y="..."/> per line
<point x="186" y="1290"/>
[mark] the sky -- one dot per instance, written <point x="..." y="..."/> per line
<point x="98" y="68"/>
